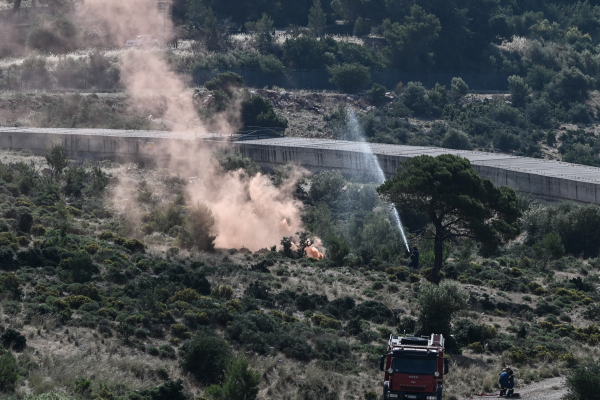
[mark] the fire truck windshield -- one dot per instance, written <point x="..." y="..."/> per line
<point x="414" y="366"/>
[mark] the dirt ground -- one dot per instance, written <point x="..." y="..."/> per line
<point x="548" y="389"/>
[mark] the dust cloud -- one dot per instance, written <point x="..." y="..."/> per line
<point x="123" y="20"/>
<point x="249" y="211"/>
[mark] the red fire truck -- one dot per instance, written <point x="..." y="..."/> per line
<point x="414" y="368"/>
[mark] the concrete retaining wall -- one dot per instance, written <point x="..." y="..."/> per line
<point x="545" y="179"/>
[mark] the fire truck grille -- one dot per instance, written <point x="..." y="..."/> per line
<point x="411" y="388"/>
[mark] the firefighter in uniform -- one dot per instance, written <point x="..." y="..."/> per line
<point x="507" y="382"/>
<point x="414" y="258"/>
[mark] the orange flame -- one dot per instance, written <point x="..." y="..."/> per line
<point x="313" y="252"/>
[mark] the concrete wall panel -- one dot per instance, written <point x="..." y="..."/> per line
<point x="542" y="178"/>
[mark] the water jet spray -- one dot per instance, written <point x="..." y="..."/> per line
<point x="372" y="160"/>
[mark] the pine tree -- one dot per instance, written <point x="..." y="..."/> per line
<point x="317" y="18"/>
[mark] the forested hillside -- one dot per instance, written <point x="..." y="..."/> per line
<point x="217" y="279"/>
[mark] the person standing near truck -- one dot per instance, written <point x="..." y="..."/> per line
<point x="507" y="382"/>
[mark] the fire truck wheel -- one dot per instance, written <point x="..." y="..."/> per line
<point x="386" y="391"/>
<point x="439" y="393"/>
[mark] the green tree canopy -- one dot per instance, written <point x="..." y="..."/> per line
<point x="438" y="304"/>
<point x="206" y="357"/>
<point x="458" y="202"/>
<point x="410" y="43"/>
<point x="258" y="111"/>
<point x="583" y="382"/>
<point x="263" y="29"/>
<point x="317" y="18"/>
<point x="56" y="157"/>
<point x="350" y="77"/>
<point x="228" y="82"/>
<point x="241" y="383"/>
<point x="9" y="371"/>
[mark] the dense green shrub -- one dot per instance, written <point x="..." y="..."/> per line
<point x="325" y="322"/>
<point x="9" y="372"/>
<point x="55" y="34"/>
<point x="377" y="93"/>
<point x="13" y="339"/>
<point x="455" y="139"/>
<point x="349" y="77"/>
<point x="416" y="98"/>
<point x="575" y="224"/>
<point x="7" y="259"/>
<point x="227" y="82"/>
<point x="341" y="307"/>
<point x="171" y="390"/>
<point x="241" y="383"/>
<point x="258" y="290"/>
<point x="258" y="111"/>
<point x="438" y="304"/>
<point x="206" y="357"/>
<point x="373" y="311"/>
<point x="81" y="268"/>
<point x="583" y="382"/>
<point x="235" y="162"/>
<point x="198" y="229"/>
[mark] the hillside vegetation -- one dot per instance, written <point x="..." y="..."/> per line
<point x="92" y="312"/>
<point x="112" y="287"/>
<point x="547" y="50"/>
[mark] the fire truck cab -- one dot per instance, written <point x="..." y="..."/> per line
<point x="414" y="368"/>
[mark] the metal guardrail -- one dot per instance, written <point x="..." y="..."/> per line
<point x="249" y="133"/>
<point x="257" y="132"/>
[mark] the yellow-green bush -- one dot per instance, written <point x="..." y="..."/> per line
<point x="202" y="318"/>
<point x="549" y="326"/>
<point x="106" y="235"/>
<point x="91" y="247"/>
<point x="187" y="295"/>
<point x="178" y="329"/>
<point x="477" y="347"/>
<point x="488" y="331"/>
<point x="37" y="230"/>
<point x="233" y="305"/>
<point x="143" y="265"/>
<point x="60" y="304"/>
<point x="283" y="317"/>
<point x="23" y="202"/>
<point x="74" y="211"/>
<point x="397" y="273"/>
<point x="76" y="301"/>
<point x="517" y="356"/>
<point x="87" y="290"/>
<point x="326" y="322"/>
<point x="222" y="292"/>
<point x="569" y="359"/>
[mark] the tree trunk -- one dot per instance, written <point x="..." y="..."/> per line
<point x="438" y="250"/>
<point x="16" y="7"/>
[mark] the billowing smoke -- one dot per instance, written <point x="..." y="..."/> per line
<point x="154" y="86"/>
<point x="124" y="20"/>
<point x="249" y="211"/>
<point x="313" y="252"/>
